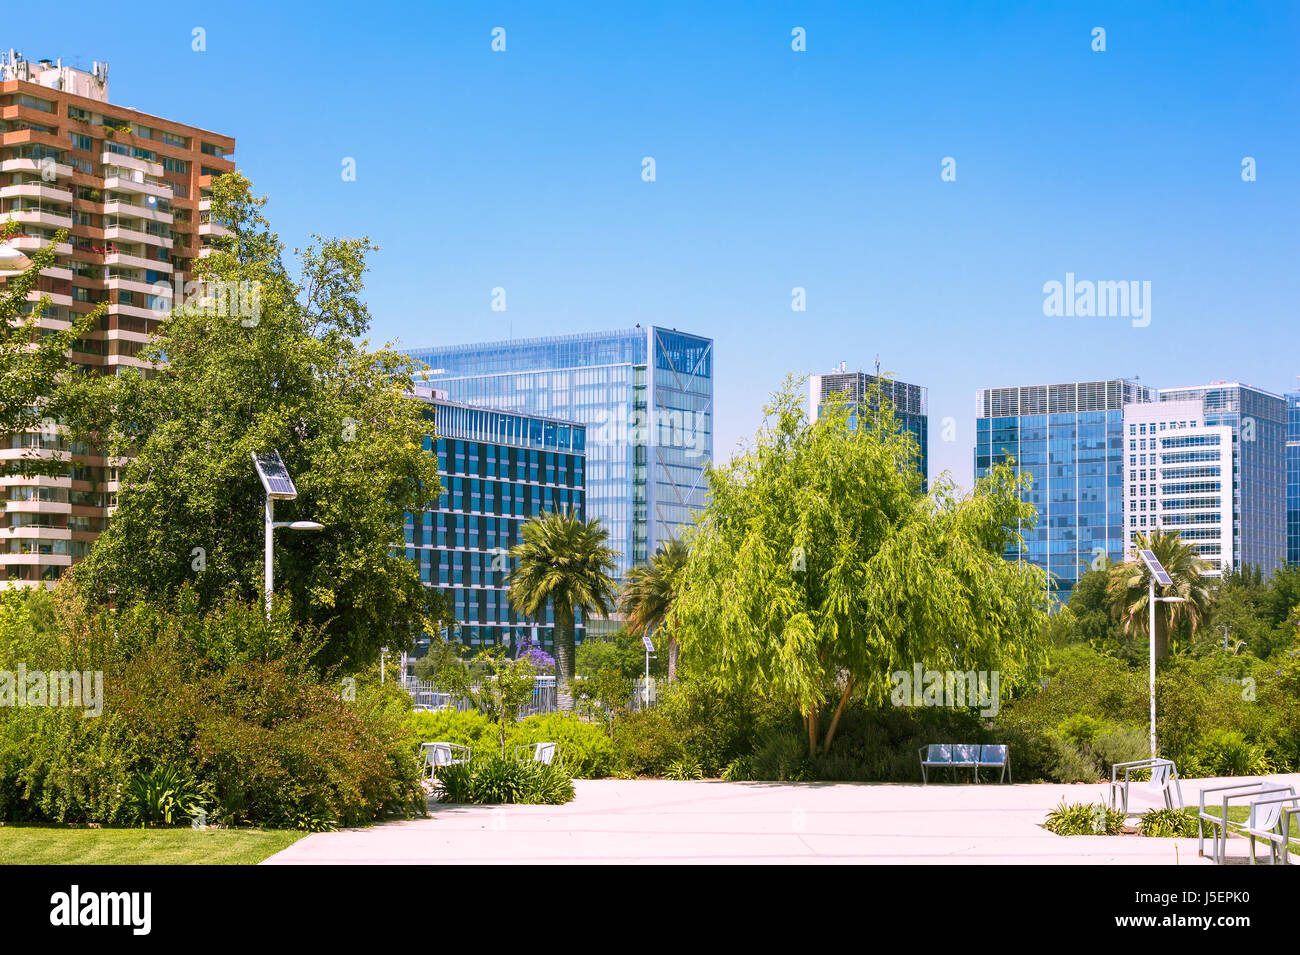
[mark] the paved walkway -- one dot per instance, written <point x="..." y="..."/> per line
<point x="660" y="821"/>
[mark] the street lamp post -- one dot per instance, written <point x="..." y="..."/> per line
<point x="278" y="486"/>
<point x="1155" y="573"/>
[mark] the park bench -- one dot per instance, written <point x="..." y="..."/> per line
<point x="1270" y="820"/>
<point x="437" y="755"/>
<point x="1163" y="782"/>
<point x="536" y="752"/>
<point x="970" y="756"/>
<point x="1220" y="824"/>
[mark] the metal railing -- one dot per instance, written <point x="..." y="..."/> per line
<point x="424" y="695"/>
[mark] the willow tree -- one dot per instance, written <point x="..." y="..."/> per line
<point x="821" y="568"/>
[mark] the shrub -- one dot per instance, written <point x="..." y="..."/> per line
<point x="1164" y="823"/>
<point x="688" y="767"/>
<point x="1226" y="752"/>
<point x="470" y="728"/>
<point x="740" y="769"/>
<point x="165" y="796"/>
<point x="583" y="749"/>
<point x="783" y="757"/>
<point x="1084" y="819"/>
<point x="492" y="780"/>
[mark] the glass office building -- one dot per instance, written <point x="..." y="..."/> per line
<point x="1293" y="478"/>
<point x="1258" y="420"/>
<point x="497" y="470"/>
<point x="1070" y="437"/>
<point x="645" y="395"/>
<point x="910" y="403"/>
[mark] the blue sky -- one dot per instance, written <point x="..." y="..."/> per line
<point x="775" y="169"/>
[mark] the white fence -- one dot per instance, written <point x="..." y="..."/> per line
<point x="426" y="697"/>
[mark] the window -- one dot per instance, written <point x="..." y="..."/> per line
<point x="81" y="115"/>
<point x="181" y="166"/>
<point x="31" y="102"/>
<point x="171" y="139"/>
<point x="212" y="150"/>
<point x="81" y="142"/>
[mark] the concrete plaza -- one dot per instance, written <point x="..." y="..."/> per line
<point x="660" y="821"/>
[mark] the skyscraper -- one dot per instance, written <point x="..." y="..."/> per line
<point x="646" y="397"/>
<point x="497" y="469"/>
<point x="1293" y="478"/>
<point x="129" y="188"/>
<point x="1258" y="420"/>
<point x="1179" y="478"/>
<point x="1071" y="438"/>
<point x="910" y="404"/>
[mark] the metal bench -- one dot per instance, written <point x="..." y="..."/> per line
<point x="1164" y="780"/>
<point x="437" y="755"/>
<point x="970" y="756"/>
<point x="537" y="752"/>
<point x="1221" y="824"/>
<point x="1270" y="820"/>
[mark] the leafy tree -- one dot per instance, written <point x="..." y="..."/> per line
<point x="498" y="686"/>
<point x="288" y="376"/>
<point x="820" y="568"/>
<point x="1128" y="589"/>
<point x="1091" y="619"/>
<point x="34" y="364"/>
<point x="649" y="592"/>
<point x="563" y="561"/>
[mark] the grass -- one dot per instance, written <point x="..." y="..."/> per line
<point x="38" y="845"/>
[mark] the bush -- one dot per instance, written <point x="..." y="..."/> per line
<point x="688" y="767"/>
<point x="166" y="796"/>
<point x="496" y="781"/>
<point x="583" y="749"/>
<point x="1084" y="819"/>
<point x="1165" y="823"/>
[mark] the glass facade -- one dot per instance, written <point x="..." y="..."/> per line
<point x="645" y="396"/>
<point x="910" y="404"/>
<point x="1293" y="478"/>
<point x="1258" y="420"/>
<point x="497" y="470"/>
<point x="1070" y="438"/>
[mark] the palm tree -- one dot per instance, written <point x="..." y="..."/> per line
<point x="649" y="592"/>
<point x="1129" y="582"/>
<point x="565" y="562"/>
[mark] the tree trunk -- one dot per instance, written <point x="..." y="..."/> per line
<point x="839" y="710"/>
<point x="1162" y="633"/>
<point x="564" y="658"/>
<point x="811" y="721"/>
<point x="672" y="658"/>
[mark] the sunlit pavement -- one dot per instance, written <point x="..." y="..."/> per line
<point x="660" y="821"/>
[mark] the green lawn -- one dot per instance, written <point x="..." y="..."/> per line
<point x="33" y="845"/>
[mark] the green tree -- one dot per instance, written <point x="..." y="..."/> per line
<point x="34" y="363"/>
<point x="648" y="595"/>
<point x="1129" y="592"/>
<point x="564" y="562"/>
<point x="820" y="568"/>
<point x="1091" y="620"/>
<point x="280" y="371"/>
<point x="497" y="685"/>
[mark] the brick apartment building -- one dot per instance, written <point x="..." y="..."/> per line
<point x="130" y="189"/>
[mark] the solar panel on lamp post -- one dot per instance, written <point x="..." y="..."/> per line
<point x="279" y="487"/>
<point x="1156" y="574"/>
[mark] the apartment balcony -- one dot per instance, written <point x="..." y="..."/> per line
<point x="122" y="233"/>
<point x="56" y="298"/>
<point x="36" y="190"/>
<point x="31" y="243"/>
<point x="127" y="260"/>
<point x="131" y="311"/>
<point x="138" y="286"/>
<point x="131" y="162"/>
<point x="36" y="167"/>
<point x="205" y="204"/>
<point x="213" y="229"/>
<point x="137" y="186"/>
<point x="44" y="217"/>
<point x="118" y="207"/>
